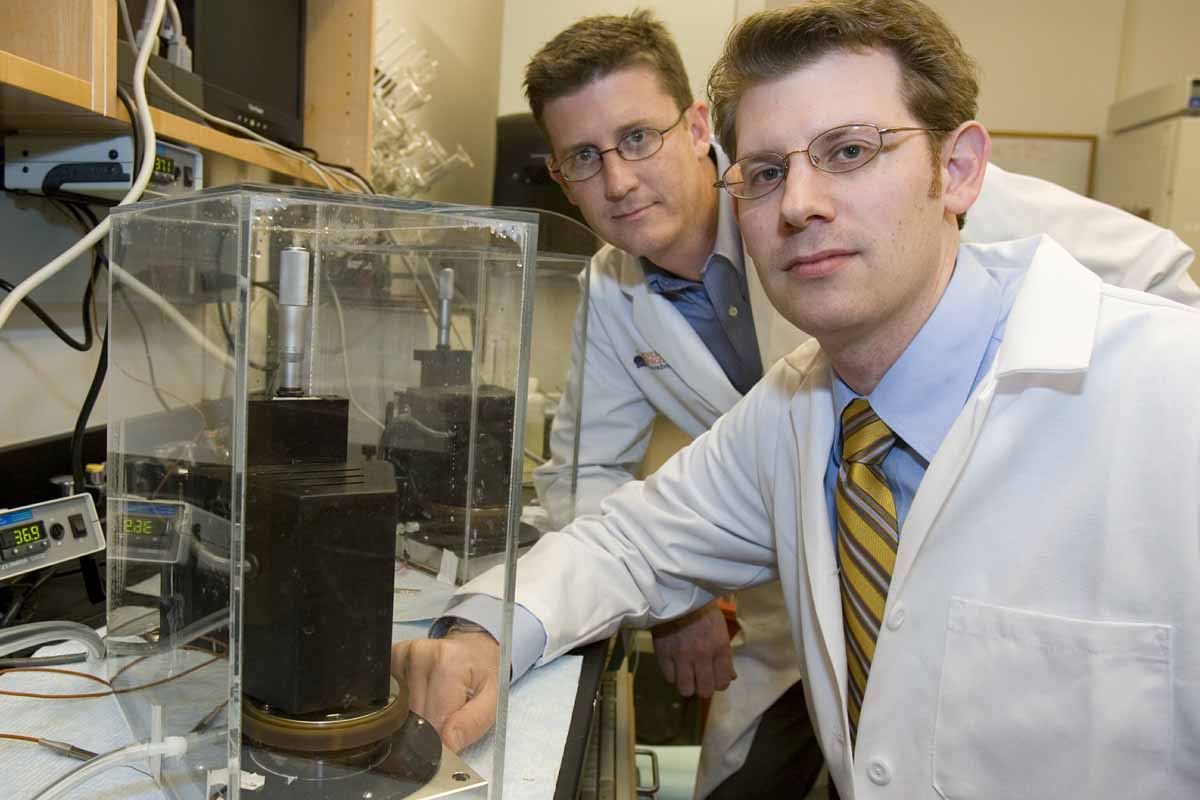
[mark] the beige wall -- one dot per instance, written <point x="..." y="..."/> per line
<point x="1159" y="44"/>
<point x="699" y="27"/>
<point x="1047" y="65"/>
<point x="464" y="37"/>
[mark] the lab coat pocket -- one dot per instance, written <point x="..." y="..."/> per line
<point x="1039" y="706"/>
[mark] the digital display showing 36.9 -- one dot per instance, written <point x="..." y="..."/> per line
<point x="22" y="540"/>
<point x="29" y="533"/>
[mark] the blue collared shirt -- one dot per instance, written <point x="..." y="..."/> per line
<point x="718" y="305"/>
<point x="922" y="394"/>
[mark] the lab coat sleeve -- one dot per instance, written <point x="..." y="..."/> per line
<point x="1122" y="249"/>
<point x="615" y="424"/>
<point x="699" y="527"/>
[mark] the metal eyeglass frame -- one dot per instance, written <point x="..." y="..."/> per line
<point x="662" y="136"/>
<point x="785" y="158"/>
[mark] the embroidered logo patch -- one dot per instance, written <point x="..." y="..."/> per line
<point x="649" y="359"/>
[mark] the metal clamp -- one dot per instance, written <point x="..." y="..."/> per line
<point x="650" y="791"/>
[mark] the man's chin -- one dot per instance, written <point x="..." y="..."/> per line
<point x="643" y="244"/>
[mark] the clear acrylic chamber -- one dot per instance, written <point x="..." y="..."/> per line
<point x="303" y="387"/>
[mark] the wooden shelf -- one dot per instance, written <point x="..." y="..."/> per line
<point x="61" y="76"/>
<point x="196" y="134"/>
<point x="31" y="80"/>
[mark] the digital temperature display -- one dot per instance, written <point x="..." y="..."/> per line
<point x="146" y="526"/>
<point x="29" y="533"/>
<point x="23" y="540"/>
<point x="164" y="164"/>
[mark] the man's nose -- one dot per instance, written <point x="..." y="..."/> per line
<point x="807" y="194"/>
<point x="619" y="175"/>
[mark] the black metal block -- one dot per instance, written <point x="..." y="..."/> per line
<point x="317" y="622"/>
<point x="289" y="430"/>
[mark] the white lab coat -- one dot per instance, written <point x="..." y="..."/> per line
<point x="621" y="400"/>
<point x="1042" y="631"/>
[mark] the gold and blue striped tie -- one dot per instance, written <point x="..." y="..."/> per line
<point x="868" y="535"/>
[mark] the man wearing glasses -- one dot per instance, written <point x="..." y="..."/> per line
<point x="723" y="515"/>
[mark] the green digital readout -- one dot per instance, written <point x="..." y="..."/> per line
<point x="29" y="533"/>
<point x="164" y="164"/>
<point x="145" y="526"/>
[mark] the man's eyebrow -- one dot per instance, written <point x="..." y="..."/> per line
<point x="641" y="122"/>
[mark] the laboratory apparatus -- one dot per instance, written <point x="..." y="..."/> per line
<point x="48" y="533"/>
<point x="434" y="511"/>
<point x="295" y="378"/>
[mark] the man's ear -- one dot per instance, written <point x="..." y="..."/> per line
<point x="558" y="178"/>
<point x="696" y="118"/>
<point x="965" y="156"/>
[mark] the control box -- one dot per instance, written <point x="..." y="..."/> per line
<point x="49" y="533"/>
<point x="96" y="166"/>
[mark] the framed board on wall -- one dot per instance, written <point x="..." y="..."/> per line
<point x="1068" y="159"/>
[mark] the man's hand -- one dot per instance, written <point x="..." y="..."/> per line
<point x="694" y="653"/>
<point x="452" y="683"/>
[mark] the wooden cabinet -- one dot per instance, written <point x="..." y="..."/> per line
<point x="58" y="71"/>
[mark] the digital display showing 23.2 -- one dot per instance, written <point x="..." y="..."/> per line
<point x="146" y="526"/>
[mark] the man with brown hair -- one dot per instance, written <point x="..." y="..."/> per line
<point x="1027" y="618"/>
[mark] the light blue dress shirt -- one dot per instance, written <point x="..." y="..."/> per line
<point x="922" y="394"/>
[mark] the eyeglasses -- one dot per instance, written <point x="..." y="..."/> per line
<point x="842" y="149"/>
<point x="636" y="145"/>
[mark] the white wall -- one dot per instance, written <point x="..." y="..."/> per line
<point x="463" y="36"/>
<point x="1047" y="65"/>
<point x="699" y="27"/>
<point x="1159" y="44"/>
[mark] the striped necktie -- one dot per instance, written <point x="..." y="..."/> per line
<point x="868" y="535"/>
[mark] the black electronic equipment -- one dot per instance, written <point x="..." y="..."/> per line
<point x="247" y="60"/>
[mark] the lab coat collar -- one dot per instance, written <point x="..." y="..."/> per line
<point x="1052" y="325"/>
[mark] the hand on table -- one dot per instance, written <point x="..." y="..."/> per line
<point x="452" y="683"/>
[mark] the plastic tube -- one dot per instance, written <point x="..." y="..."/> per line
<point x="172" y="746"/>
<point x="33" y="634"/>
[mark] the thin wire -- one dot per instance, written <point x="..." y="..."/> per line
<point x="337" y="304"/>
<point x="18" y="602"/>
<point x="119" y="290"/>
<point x="91" y="695"/>
<point x="19" y="738"/>
<point x="54" y="327"/>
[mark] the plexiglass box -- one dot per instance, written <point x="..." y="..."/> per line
<point x="299" y="382"/>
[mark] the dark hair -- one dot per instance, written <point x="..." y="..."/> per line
<point x="597" y="46"/>
<point x="939" y="80"/>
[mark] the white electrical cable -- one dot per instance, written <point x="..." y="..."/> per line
<point x="176" y="21"/>
<point x="145" y="170"/>
<point x="171" y="747"/>
<point x="262" y="140"/>
<point x="337" y="304"/>
<point x="172" y="313"/>
<point x="320" y="170"/>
